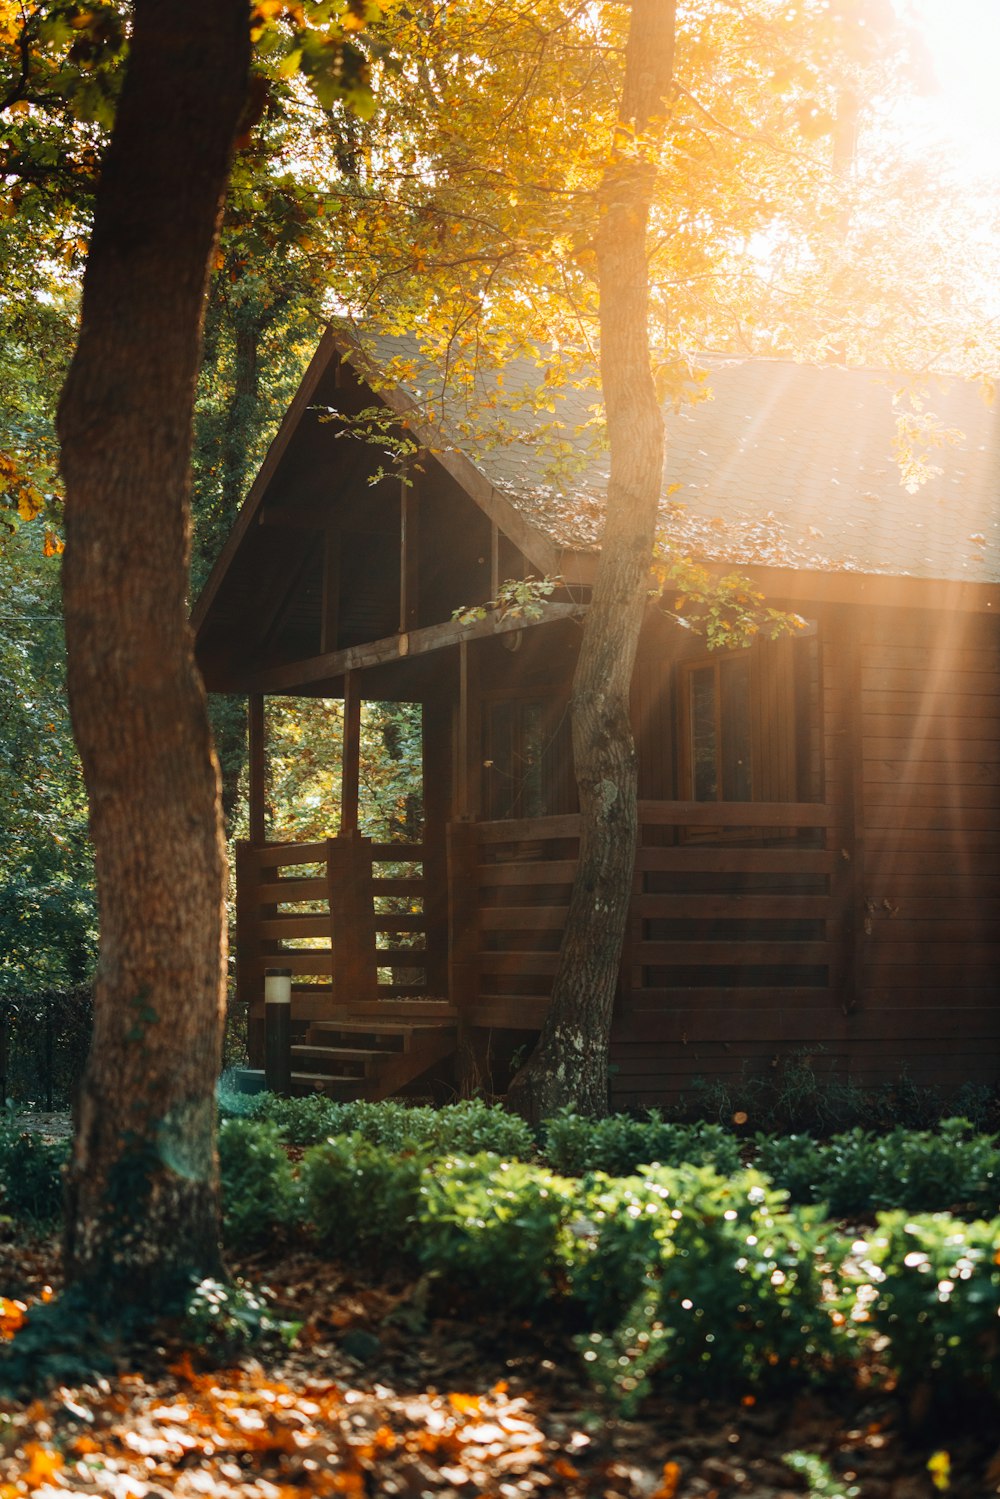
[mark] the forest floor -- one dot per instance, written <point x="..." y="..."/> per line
<point x="387" y="1393"/>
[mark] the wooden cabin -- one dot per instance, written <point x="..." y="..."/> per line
<point x="818" y="865"/>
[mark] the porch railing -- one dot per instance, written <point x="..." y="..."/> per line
<point x="346" y="915"/>
<point x="726" y="896"/>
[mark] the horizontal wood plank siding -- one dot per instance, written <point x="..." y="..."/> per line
<point x="909" y="875"/>
<point x="930" y="714"/>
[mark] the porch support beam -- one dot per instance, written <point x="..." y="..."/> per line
<point x="257" y="758"/>
<point x="333" y="664"/>
<point x="350" y="764"/>
<point x="408" y="579"/>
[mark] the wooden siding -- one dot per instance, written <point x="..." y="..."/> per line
<point x="930" y="762"/>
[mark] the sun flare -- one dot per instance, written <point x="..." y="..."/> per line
<point x="963" y="42"/>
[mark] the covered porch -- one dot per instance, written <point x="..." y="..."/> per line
<point x="417" y="966"/>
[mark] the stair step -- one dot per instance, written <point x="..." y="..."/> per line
<point x="406" y="1010"/>
<point x="341" y="1089"/>
<point x="332" y="1055"/>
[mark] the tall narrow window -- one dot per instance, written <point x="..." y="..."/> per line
<point x="717" y="730"/>
<point x="528" y="767"/>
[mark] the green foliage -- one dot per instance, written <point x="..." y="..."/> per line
<point x="729" y="611"/>
<point x="795" y="1163"/>
<point x="465" y="1127"/>
<point x="794" y="1094"/>
<point x="472" y="1126"/>
<point x="259" y="1196"/>
<point x="823" y="1483"/>
<point x="225" y="1320"/>
<point x="735" y="1280"/>
<point x="620" y="1363"/>
<point x="618" y="1144"/>
<point x="931" y="1286"/>
<point x="47" y="902"/>
<point x="31" y="1173"/>
<point x="614" y="1247"/>
<point x="305" y="738"/>
<point x="517" y="598"/>
<point x="494" y="1226"/>
<point x="46" y="1039"/>
<point x="678" y="1271"/>
<point x="361" y="1198"/>
<point x="859" y="1172"/>
<point x="64" y="1342"/>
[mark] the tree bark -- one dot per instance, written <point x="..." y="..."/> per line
<point x="569" y="1066"/>
<point x="142" y="1195"/>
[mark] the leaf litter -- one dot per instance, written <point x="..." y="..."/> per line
<point x="382" y="1394"/>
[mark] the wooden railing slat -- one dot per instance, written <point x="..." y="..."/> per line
<point x="736" y="814"/>
<point x="726" y="954"/>
<point x="290" y="926"/>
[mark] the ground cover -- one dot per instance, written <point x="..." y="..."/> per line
<point x="388" y="1390"/>
<point x="442" y="1303"/>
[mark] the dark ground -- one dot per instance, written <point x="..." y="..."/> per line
<point x="386" y="1394"/>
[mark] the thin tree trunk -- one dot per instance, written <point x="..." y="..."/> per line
<point x="569" y="1066"/>
<point x="142" y="1208"/>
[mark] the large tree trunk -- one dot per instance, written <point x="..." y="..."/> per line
<point x="142" y="1210"/>
<point x="569" y="1066"/>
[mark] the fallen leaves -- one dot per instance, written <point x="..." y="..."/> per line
<point x="451" y="1407"/>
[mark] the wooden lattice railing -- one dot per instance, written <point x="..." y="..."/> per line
<point x="725" y="896"/>
<point x="346" y="915"/>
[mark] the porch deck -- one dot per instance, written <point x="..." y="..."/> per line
<point x="733" y="904"/>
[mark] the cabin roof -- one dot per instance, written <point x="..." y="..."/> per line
<point x="784" y="465"/>
<point x="787" y="469"/>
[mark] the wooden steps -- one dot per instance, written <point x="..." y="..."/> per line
<point x="372" y="1050"/>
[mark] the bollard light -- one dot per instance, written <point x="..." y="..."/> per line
<point x="278" y="1030"/>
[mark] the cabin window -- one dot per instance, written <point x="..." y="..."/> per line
<point x="718" y="714"/>
<point x="527" y="768"/>
<point x="747" y="723"/>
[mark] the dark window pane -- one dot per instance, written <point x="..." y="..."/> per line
<point x="704" y="737"/>
<point x="531" y="801"/>
<point x="734" y="694"/>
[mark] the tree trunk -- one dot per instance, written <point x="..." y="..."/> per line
<point x="569" y="1066"/>
<point x="142" y="1197"/>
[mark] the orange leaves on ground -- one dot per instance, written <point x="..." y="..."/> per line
<point x="13" y="1315"/>
<point x="668" y="1484"/>
<point x="43" y="1465"/>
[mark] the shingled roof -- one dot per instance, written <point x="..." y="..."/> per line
<point x="786" y="464"/>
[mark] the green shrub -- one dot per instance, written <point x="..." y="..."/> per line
<point x="473" y="1126"/>
<point x="740" y="1279"/>
<point x="619" y="1144"/>
<point x="794" y="1163"/>
<point x="936" y="1170"/>
<point x="361" y="1198"/>
<point x="31" y="1173"/>
<point x="858" y="1173"/>
<point x="496" y="1226"/>
<point x="931" y="1285"/>
<point x="259" y="1196"/>
<point x="225" y="1320"/>
<point x="731" y="1292"/>
<point x="614" y="1251"/>
<point x="619" y="1363"/>
<point x="301" y="1121"/>
<point x="856" y="1176"/>
<point x="461" y="1128"/>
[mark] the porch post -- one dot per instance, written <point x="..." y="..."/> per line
<point x="350" y="765"/>
<point x="257" y="753"/>
<point x="437" y="773"/>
